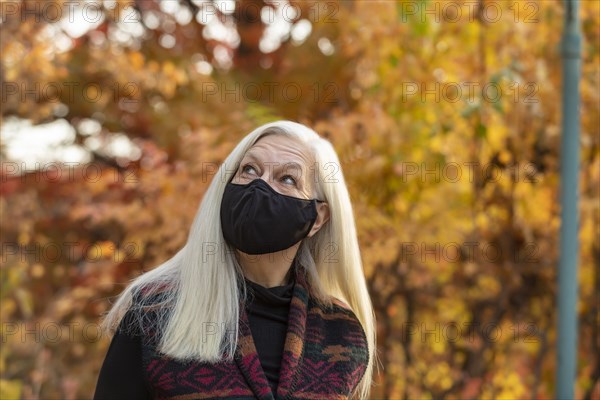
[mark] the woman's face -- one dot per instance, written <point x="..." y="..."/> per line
<point x="282" y="162"/>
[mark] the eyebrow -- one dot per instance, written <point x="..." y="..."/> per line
<point x="277" y="165"/>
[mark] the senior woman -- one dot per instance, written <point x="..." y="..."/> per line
<point x="267" y="299"/>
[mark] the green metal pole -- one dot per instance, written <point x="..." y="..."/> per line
<point x="569" y="193"/>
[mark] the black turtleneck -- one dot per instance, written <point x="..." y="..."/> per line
<point x="267" y="310"/>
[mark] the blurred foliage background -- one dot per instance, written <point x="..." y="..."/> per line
<point x="446" y="117"/>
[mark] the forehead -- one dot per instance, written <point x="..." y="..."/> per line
<point x="281" y="149"/>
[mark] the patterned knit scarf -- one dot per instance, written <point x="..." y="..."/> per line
<point x="325" y="356"/>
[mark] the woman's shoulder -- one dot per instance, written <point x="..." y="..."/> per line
<point x="340" y="315"/>
<point x="341" y="329"/>
<point x="147" y="311"/>
<point x="340" y="303"/>
<point x="341" y="307"/>
<point x="153" y="294"/>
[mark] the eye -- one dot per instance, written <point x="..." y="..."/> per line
<point x="248" y="169"/>
<point x="288" y="180"/>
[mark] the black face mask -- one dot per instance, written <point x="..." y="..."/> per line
<point x="256" y="219"/>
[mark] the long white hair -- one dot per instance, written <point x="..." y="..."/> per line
<point x="204" y="277"/>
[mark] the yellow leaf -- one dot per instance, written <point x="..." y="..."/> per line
<point x="10" y="389"/>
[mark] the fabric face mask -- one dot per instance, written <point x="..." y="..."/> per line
<point x="256" y="219"/>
